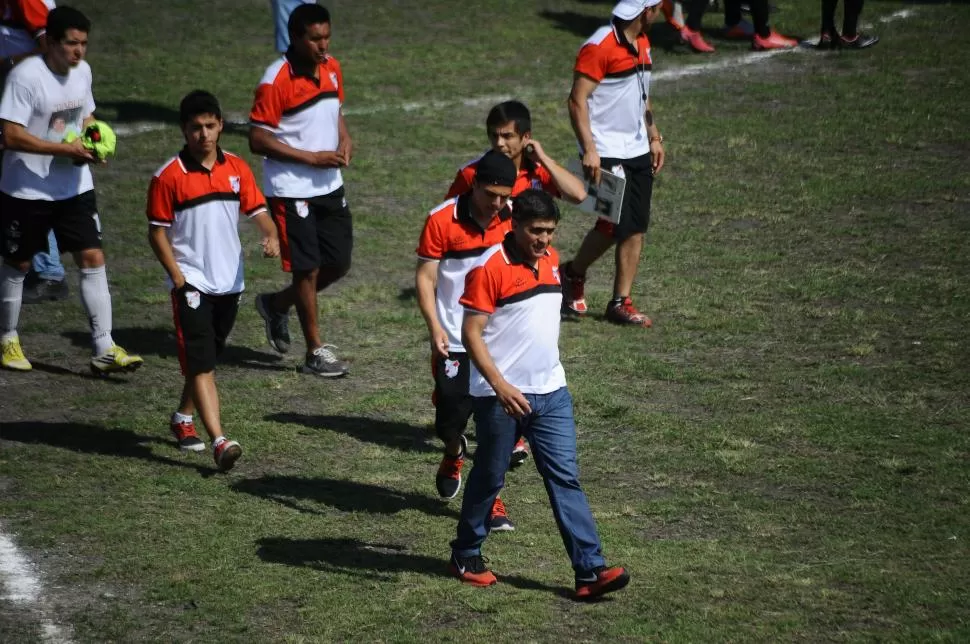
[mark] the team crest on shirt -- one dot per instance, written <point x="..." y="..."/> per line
<point x="333" y="78"/>
<point x="555" y="273"/>
<point x="302" y="209"/>
<point x="193" y="299"/>
<point x="234" y="184"/>
<point x="451" y="368"/>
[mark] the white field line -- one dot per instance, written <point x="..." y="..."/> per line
<point x="753" y="58"/>
<point x="22" y="587"/>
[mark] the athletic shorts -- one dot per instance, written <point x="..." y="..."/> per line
<point x="24" y="224"/>
<point x="635" y="212"/>
<point x="453" y="404"/>
<point x="202" y="326"/>
<point x="314" y="233"/>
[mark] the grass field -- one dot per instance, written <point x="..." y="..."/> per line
<point x="784" y="456"/>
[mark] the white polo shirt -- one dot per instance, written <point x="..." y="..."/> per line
<point x="522" y="332"/>
<point x="617" y="105"/>
<point x="48" y="106"/>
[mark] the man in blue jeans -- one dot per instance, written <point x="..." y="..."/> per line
<point x="512" y="300"/>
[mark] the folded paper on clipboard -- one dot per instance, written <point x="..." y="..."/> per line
<point x="604" y="200"/>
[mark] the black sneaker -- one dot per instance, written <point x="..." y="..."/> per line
<point x="40" y="290"/>
<point x="448" y="478"/>
<point x="323" y="362"/>
<point x="472" y="570"/>
<point x="861" y="41"/>
<point x="277" y="324"/>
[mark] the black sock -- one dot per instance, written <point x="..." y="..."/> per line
<point x="850" y="19"/>
<point x="828" y="15"/>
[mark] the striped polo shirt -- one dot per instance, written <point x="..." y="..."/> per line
<point x="201" y="210"/>
<point x="531" y="175"/>
<point x="22" y="22"/>
<point x="302" y="112"/>
<point x="522" y="332"/>
<point x="617" y="105"/>
<point x="453" y="238"/>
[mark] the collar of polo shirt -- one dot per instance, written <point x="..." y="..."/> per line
<point x="301" y="67"/>
<point x="191" y="165"/>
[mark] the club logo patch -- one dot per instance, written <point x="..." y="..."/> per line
<point x="451" y="368"/>
<point x="302" y="209"/>
<point x="193" y="299"/>
<point x="333" y="79"/>
<point x="234" y="184"/>
<point x="555" y="274"/>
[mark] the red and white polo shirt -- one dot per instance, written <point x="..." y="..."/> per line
<point x="201" y="210"/>
<point x="531" y="175"/>
<point x="522" y="332"/>
<point x="302" y="112"/>
<point x="453" y="238"/>
<point x="617" y="105"/>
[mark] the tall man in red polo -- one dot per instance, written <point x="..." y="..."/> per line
<point x="296" y="123"/>
<point x="612" y="116"/>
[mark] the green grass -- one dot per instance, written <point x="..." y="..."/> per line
<point x="784" y="456"/>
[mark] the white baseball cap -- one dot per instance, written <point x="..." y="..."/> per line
<point x="630" y="9"/>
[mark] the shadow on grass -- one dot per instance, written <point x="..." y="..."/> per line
<point x="92" y="439"/>
<point x="345" y="496"/>
<point x="145" y="112"/>
<point x="160" y="342"/>
<point x="376" y="561"/>
<point x="401" y="436"/>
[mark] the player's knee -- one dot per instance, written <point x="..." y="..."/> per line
<point x="89" y="258"/>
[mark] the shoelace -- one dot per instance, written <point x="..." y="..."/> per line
<point x="498" y="509"/>
<point x="183" y="430"/>
<point x="474" y="564"/>
<point x="325" y="353"/>
<point x="451" y="466"/>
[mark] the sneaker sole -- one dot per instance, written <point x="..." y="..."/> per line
<point x="229" y="458"/>
<point x="192" y="448"/>
<point x="131" y="368"/>
<point x="470" y="582"/>
<point x="14" y="367"/>
<point x="268" y="328"/>
<point x="504" y="527"/>
<point x="617" y="584"/>
<point x="336" y="374"/>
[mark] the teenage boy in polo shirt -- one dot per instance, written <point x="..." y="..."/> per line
<point x="511" y="332"/>
<point x="298" y="126"/>
<point x="455" y="235"/>
<point x="612" y="116"/>
<point x="47" y="185"/>
<point x="193" y="210"/>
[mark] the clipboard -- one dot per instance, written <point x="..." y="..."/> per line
<point x="605" y="200"/>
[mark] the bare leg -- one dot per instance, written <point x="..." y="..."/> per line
<point x="206" y="399"/>
<point x="627" y="260"/>
<point x="186" y="404"/>
<point x="594" y="245"/>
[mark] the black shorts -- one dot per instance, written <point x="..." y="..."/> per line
<point x="453" y="404"/>
<point x="635" y="212"/>
<point x="314" y="233"/>
<point x="202" y="326"/>
<point x="24" y="224"/>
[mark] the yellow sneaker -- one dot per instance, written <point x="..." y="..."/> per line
<point x="115" y="360"/>
<point x="13" y="356"/>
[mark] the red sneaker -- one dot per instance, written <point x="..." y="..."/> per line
<point x="573" y="293"/>
<point x="498" y="520"/>
<point x="599" y="581"/>
<point x="520" y="453"/>
<point x="627" y="314"/>
<point x="448" y="479"/>
<point x="471" y="570"/>
<point x="185" y="435"/>
<point x="695" y="41"/>
<point x="774" y="41"/>
<point x="226" y="454"/>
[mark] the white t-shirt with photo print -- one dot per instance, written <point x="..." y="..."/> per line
<point x="48" y="106"/>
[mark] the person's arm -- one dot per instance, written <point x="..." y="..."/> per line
<point x="345" y="147"/>
<point x="271" y="240"/>
<point x="583" y="87"/>
<point x="425" y="285"/>
<point x="511" y="399"/>
<point x="16" y="137"/>
<point x="158" y="238"/>
<point x="264" y="143"/>
<point x="656" y="141"/>
<point x="569" y="185"/>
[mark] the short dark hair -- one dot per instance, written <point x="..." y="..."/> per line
<point x="509" y="112"/>
<point x="534" y="204"/>
<point x="198" y="102"/>
<point x="62" y="18"/>
<point x="304" y="16"/>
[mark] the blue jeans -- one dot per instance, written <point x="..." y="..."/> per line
<point x="551" y="432"/>
<point x="48" y="265"/>
<point x="281" y="15"/>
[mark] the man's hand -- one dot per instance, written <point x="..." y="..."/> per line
<point x="439" y="343"/>
<point x="79" y="154"/>
<point x="345" y="150"/>
<point x="327" y="159"/>
<point x="658" y="155"/>
<point x="271" y="246"/>
<point x="591" y="165"/>
<point x="512" y="401"/>
<point x="534" y="150"/>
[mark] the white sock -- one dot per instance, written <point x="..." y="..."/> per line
<point x="217" y="442"/>
<point x="179" y="417"/>
<point x="96" y="301"/>
<point x="11" y="299"/>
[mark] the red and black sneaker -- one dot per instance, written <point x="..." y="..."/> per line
<point x="623" y="312"/>
<point x="573" y="293"/>
<point x="226" y="453"/>
<point x="599" y="581"/>
<point x="448" y="478"/>
<point x="498" y="518"/>
<point x="472" y="570"/>
<point x="185" y="435"/>
<point x="520" y="453"/>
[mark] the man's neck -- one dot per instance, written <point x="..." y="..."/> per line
<point x="207" y="161"/>
<point x="517" y="161"/>
<point x="480" y="219"/>
<point x="51" y="65"/>
<point x="631" y="33"/>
